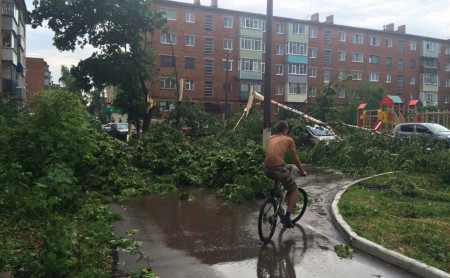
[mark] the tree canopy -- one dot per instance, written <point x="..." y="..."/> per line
<point x="119" y="31"/>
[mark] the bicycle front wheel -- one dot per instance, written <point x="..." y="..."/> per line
<point x="300" y="205"/>
<point x="267" y="220"/>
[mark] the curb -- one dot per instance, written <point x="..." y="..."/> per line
<point x="369" y="247"/>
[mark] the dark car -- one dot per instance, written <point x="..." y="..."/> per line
<point x="120" y="130"/>
<point x="316" y="133"/>
<point x="428" y="131"/>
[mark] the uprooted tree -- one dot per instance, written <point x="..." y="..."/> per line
<point x="118" y="30"/>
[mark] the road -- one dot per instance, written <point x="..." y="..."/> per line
<point x="210" y="238"/>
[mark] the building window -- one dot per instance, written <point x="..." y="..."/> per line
<point x="171" y="14"/>
<point x="374" y="40"/>
<point x="166" y="83"/>
<point x="447" y="51"/>
<point x="342" y="36"/>
<point x="312" y="72"/>
<point x="209" y="67"/>
<point x="190" y="40"/>
<point x="327" y="37"/>
<point x="167" y="61"/>
<point x="374" y="59"/>
<point x="279" y="49"/>
<point x="358" y="38"/>
<point x="299" y="29"/>
<point x="251" y="43"/>
<point x="357" y="75"/>
<point x="250" y="65"/>
<point x="400" y="46"/>
<point x="342" y="55"/>
<point x="412" y="45"/>
<point x="189" y="62"/>
<point x="280" y="28"/>
<point x="388" y="78"/>
<point x="168" y="38"/>
<point x="297" y="69"/>
<point x="341" y="73"/>
<point x="429" y="97"/>
<point x="341" y="93"/>
<point x="400" y="65"/>
<point x="388" y="42"/>
<point x="312" y="52"/>
<point x="279" y="69"/>
<point x="430" y="79"/>
<point x="227" y="22"/>
<point x="430" y="63"/>
<point x="312" y="91"/>
<point x="230" y="65"/>
<point x="209" y="22"/>
<point x="412" y="63"/>
<point x="264" y="26"/>
<point x="297" y="48"/>
<point x="357" y="57"/>
<point x="297" y="88"/>
<point x="190" y="17"/>
<point x="327" y="76"/>
<point x="388" y="61"/>
<point x="189" y="85"/>
<point x="374" y="76"/>
<point x="447" y="67"/>
<point x="166" y="106"/>
<point x="209" y="46"/>
<point x="278" y="90"/>
<point x="251" y="23"/>
<point x="227" y="44"/>
<point x="327" y="57"/>
<point x="432" y="46"/>
<point x="447" y="99"/>
<point x="400" y="81"/>
<point x="208" y="88"/>
<point x="412" y="80"/>
<point x="313" y="33"/>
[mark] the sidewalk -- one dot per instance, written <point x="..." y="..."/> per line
<point x="406" y="263"/>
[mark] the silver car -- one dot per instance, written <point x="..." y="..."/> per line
<point x="428" y="131"/>
<point x="316" y="133"/>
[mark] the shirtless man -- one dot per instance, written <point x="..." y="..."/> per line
<point x="276" y="169"/>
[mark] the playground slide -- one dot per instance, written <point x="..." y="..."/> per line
<point x="378" y="125"/>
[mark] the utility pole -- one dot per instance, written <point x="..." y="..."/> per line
<point x="227" y="86"/>
<point x="268" y="74"/>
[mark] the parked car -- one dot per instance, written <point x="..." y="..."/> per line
<point x="316" y="133"/>
<point x="107" y="127"/>
<point x="428" y="131"/>
<point x="120" y="130"/>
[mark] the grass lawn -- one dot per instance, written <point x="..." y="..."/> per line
<point x="406" y="213"/>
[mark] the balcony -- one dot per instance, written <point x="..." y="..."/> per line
<point x="8" y="85"/>
<point x="9" y="54"/>
<point x="253" y="75"/>
<point x="20" y="94"/>
<point x="8" y="23"/>
<point x="243" y="95"/>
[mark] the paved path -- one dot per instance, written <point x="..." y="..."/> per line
<point x="209" y="238"/>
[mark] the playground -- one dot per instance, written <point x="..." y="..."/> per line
<point x="393" y="111"/>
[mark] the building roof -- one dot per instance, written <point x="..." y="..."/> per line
<point x="391" y="100"/>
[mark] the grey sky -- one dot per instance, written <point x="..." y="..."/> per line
<point x="422" y="17"/>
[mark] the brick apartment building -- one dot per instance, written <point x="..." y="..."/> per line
<point x="305" y="55"/>
<point x="13" y="66"/>
<point x="39" y="76"/>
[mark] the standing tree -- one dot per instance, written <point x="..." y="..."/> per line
<point x="119" y="31"/>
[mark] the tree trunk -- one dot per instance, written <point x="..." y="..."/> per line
<point x="147" y="118"/>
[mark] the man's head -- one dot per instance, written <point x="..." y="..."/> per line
<point x="282" y="126"/>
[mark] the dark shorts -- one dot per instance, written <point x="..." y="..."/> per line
<point x="282" y="174"/>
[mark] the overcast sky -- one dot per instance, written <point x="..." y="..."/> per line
<point x="429" y="18"/>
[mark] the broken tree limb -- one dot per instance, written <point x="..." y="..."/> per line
<point x="247" y="108"/>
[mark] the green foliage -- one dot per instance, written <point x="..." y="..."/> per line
<point x="344" y="251"/>
<point x="186" y="196"/>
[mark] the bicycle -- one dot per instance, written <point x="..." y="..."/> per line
<point x="273" y="208"/>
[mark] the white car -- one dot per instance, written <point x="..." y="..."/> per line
<point x="107" y="127"/>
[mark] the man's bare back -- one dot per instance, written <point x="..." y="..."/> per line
<point x="276" y="148"/>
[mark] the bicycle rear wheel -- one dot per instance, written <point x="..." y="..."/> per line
<point x="300" y="205"/>
<point x="267" y="220"/>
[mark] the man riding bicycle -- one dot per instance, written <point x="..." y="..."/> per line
<point x="276" y="169"/>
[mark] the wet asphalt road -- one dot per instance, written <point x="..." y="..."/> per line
<point x="209" y="238"/>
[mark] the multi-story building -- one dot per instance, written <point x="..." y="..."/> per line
<point x="39" y="76"/>
<point x="13" y="66"/>
<point x="305" y="56"/>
